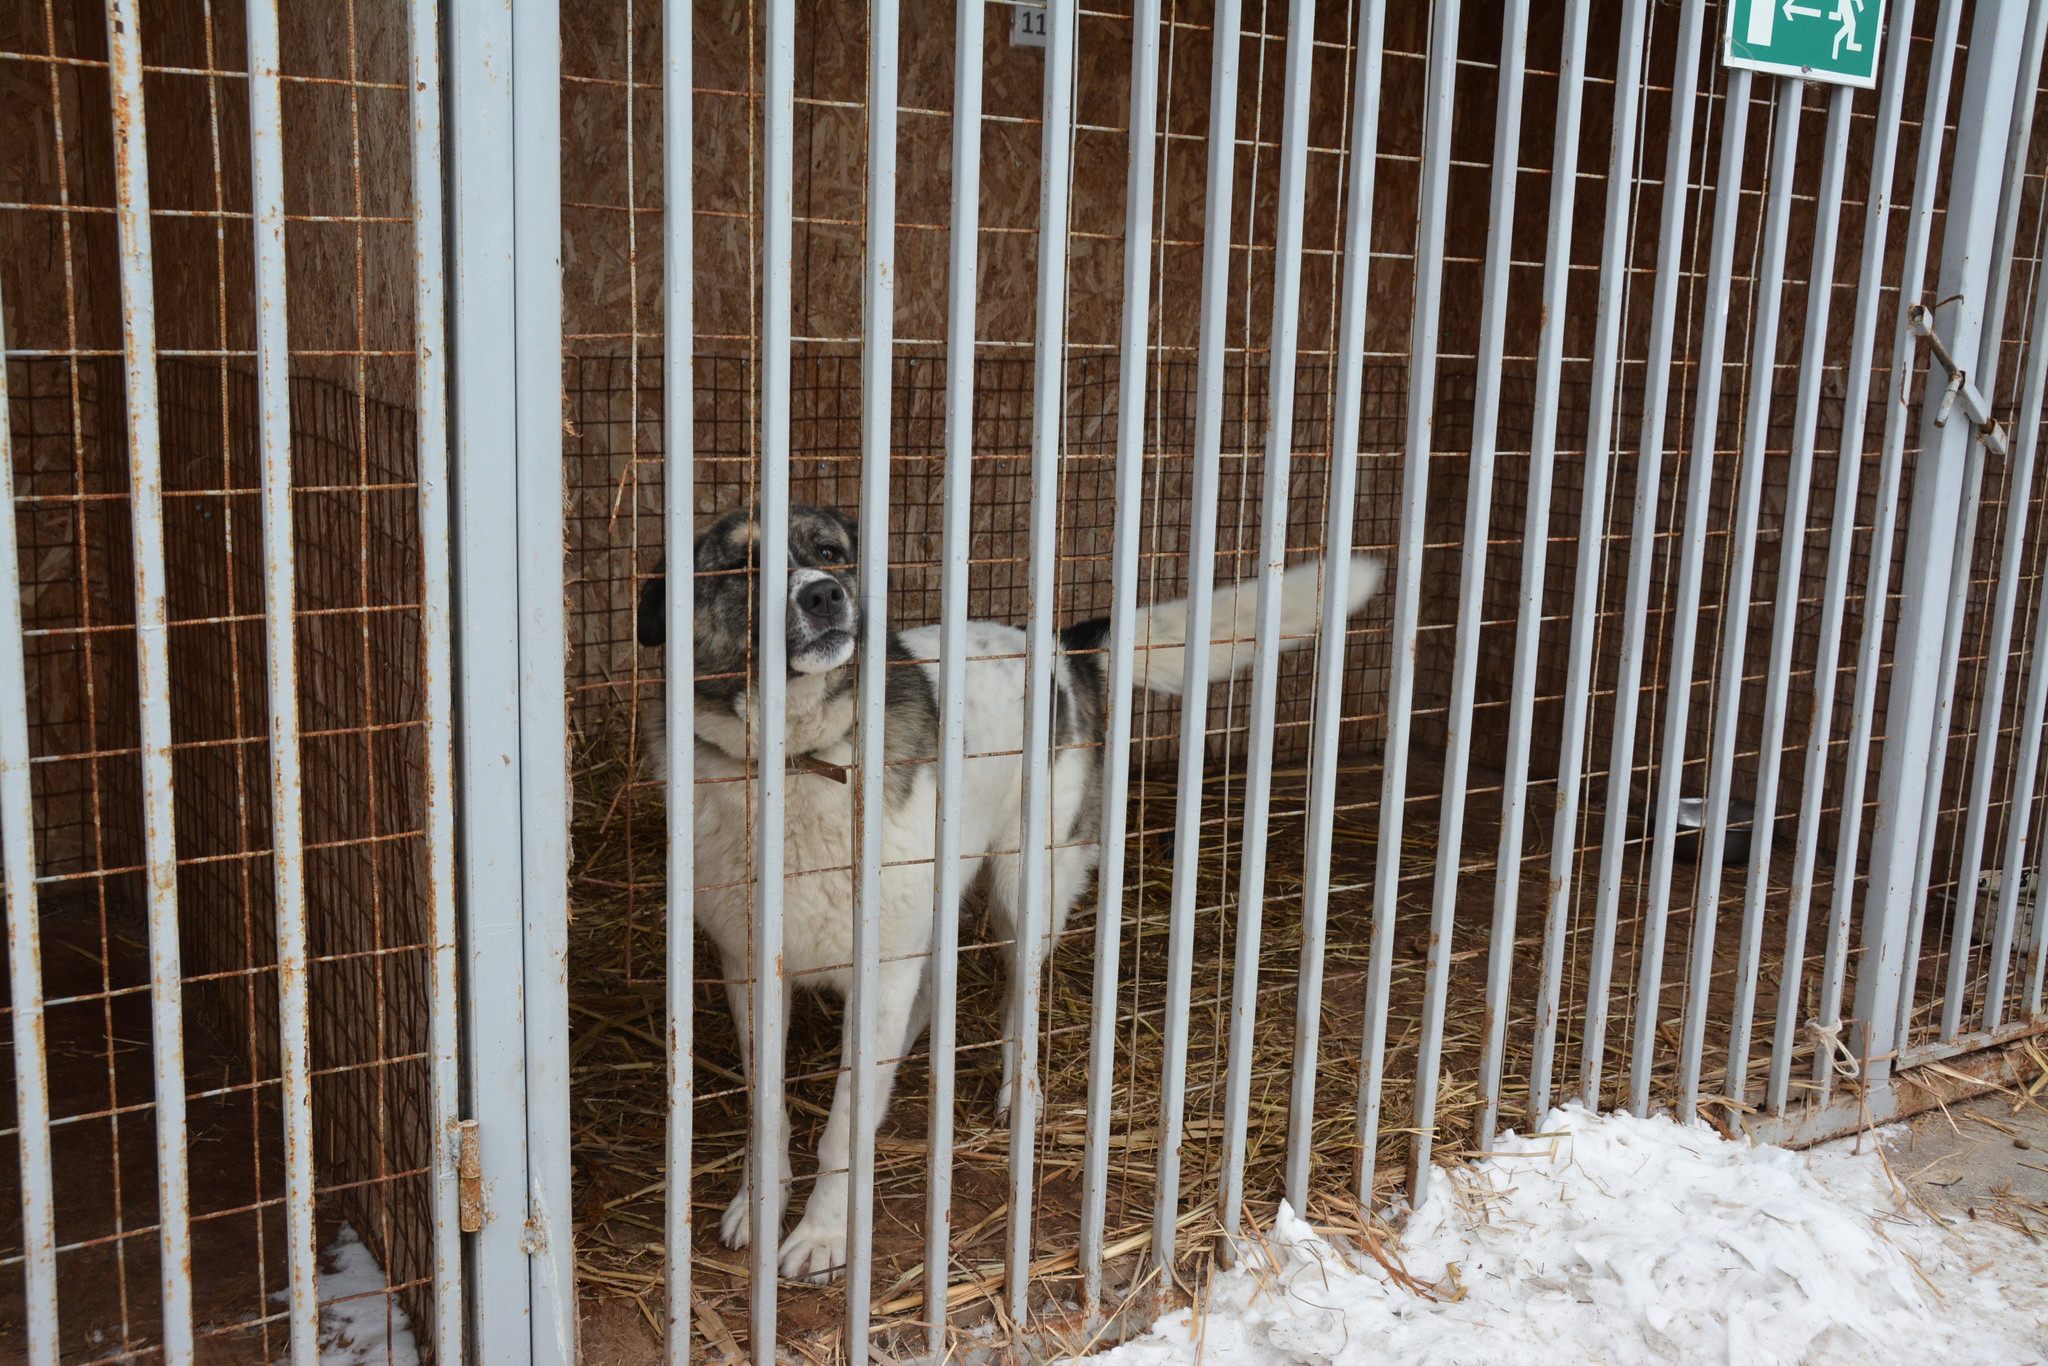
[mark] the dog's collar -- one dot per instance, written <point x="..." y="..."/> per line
<point x="811" y="763"/>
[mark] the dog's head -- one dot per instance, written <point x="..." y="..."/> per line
<point x="822" y="620"/>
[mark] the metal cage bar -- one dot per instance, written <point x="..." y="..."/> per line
<point x="1134" y="333"/>
<point x="1762" y="366"/>
<point x="543" y="721"/>
<point x="1961" y="564"/>
<point x="153" y="675"/>
<point x="768" y="1136"/>
<point x="1493" y="306"/>
<point x="970" y="20"/>
<point x="1617" y="231"/>
<point x="280" y="562"/>
<point x="1036" y="885"/>
<point x="1878" y="206"/>
<point x="30" y="1048"/>
<point x="482" y="160"/>
<point x="878" y="309"/>
<point x="437" y="645"/>
<point x="1507" y="876"/>
<point x="1265" y="670"/>
<point x="1330" y="633"/>
<point x="1678" y="698"/>
<point x="1194" y="708"/>
<point x="1434" y="191"/>
<point x="1671" y="242"/>
<point x="679" y="695"/>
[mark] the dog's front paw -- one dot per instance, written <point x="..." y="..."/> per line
<point x="815" y="1252"/>
<point x="737" y="1227"/>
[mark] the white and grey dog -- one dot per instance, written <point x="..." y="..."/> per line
<point x="821" y="737"/>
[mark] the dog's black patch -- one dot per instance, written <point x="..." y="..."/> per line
<point x="652" y="628"/>
<point x="1086" y="635"/>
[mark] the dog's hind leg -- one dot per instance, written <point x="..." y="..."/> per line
<point x="1071" y="866"/>
<point x="816" y="1248"/>
<point x="736" y="1228"/>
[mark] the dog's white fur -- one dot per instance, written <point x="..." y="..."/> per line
<point x="816" y="918"/>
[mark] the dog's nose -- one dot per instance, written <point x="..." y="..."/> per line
<point x="821" y="598"/>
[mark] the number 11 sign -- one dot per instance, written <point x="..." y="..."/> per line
<point x="1819" y="40"/>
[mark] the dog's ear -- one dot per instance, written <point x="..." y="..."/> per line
<point x="653" y="623"/>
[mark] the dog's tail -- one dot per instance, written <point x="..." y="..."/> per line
<point x="1160" y="661"/>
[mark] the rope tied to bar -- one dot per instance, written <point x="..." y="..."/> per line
<point x="1828" y="1039"/>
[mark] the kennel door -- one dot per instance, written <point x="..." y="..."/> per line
<point x="225" y="707"/>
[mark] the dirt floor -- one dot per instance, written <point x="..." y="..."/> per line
<point x="1981" y="1159"/>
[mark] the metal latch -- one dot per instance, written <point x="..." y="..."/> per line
<point x="1920" y="320"/>
<point x="469" y="1177"/>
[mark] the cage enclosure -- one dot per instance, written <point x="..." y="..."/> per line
<point x="1622" y="414"/>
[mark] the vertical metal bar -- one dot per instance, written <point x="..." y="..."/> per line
<point x="2019" y="487"/>
<point x="1877" y="211"/>
<point x="1961" y="567"/>
<point x="679" y="691"/>
<point x="1820" y="289"/>
<point x="1493" y="309"/>
<point x="1048" y="442"/>
<point x="768" y="1140"/>
<point x="1913" y="731"/>
<point x="878" y="352"/>
<point x="956" y="516"/>
<point x="1265" y="682"/>
<point x="288" y="835"/>
<point x="1870" y="650"/>
<point x="1329" y="700"/>
<point x="1139" y="197"/>
<point x="431" y="400"/>
<point x="481" y="162"/>
<point x="1663" y="818"/>
<point x="24" y="928"/>
<point x="543" y="681"/>
<point x="2018" y="146"/>
<point x="1194" y="707"/>
<point x="1507" y="878"/>
<point x="153" y="674"/>
<point x="1762" y="366"/>
<point x="1507" y="166"/>
<point x="2019" y="510"/>
<point x="1618" y="229"/>
<point x="1429" y="253"/>
<point x="1671" y="243"/>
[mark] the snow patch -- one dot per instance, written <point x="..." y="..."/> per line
<point x="360" y="1321"/>
<point x="1611" y="1239"/>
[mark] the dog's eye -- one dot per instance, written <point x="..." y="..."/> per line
<point x="831" y="554"/>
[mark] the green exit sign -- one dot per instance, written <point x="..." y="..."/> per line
<point x="1818" y="40"/>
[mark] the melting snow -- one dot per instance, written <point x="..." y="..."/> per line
<point x="1611" y="1239"/>
<point x="360" y="1323"/>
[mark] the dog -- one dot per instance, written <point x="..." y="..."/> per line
<point x="823" y="632"/>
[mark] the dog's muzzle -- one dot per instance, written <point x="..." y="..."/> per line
<point x="822" y="622"/>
